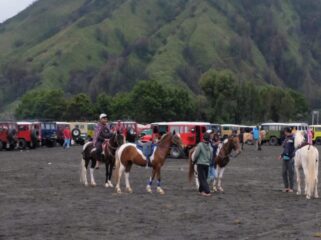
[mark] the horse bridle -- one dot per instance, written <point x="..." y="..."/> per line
<point x="114" y="148"/>
<point x="219" y="155"/>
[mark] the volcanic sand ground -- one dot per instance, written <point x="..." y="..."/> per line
<point x="41" y="198"/>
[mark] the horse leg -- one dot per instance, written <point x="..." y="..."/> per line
<point x="107" y="173"/>
<point x="219" y="187"/>
<point x="159" y="189"/>
<point x="217" y="172"/>
<point x="298" y="179"/>
<point x="128" y="188"/>
<point x="316" y="195"/>
<point x="91" y="170"/>
<point x="150" y="182"/>
<point x="120" y="169"/>
<point x="83" y="172"/>
<point x="196" y="177"/>
<point x="110" y="173"/>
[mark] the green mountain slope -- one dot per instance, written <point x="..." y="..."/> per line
<point x="109" y="45"/>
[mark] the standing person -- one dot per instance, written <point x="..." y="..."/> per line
<point x="102" y="132"/>
<point x="241" y="137"/>
<point x="120" y="129"/>
<point x="288" y="162"/>
<point x="309" y="136"/>
<point x="202" y="157"/>
<point x="214" y="143"/>
<point x="256" y="138"/>
<point x="67" y="137"/>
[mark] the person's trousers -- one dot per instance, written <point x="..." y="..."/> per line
<point x="202" y="178"/>
<point x="66" y="143"/>
<point x="211" y="173"/>
<point x="288" y="173"/>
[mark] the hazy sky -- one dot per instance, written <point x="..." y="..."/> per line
<point x="9" y="8"/>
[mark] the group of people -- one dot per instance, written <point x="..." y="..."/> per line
<point x="205" y="153"/>
<point x="206" y="150"/>
<point x="203" y="157"/>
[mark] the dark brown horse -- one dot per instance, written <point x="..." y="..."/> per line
<point x="128" y="154"/>
<point x="220" y="161"/>
<point x="89" y="155"/>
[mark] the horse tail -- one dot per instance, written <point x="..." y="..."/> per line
<point x="191" y="165"/>
<point x="313" y="158"/>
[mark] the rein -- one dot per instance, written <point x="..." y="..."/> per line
<point x="303" y="145"/>
<point x="110" y="147"/>
<point x="226" y="155"/>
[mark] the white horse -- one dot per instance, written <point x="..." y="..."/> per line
<point x="307" y="158"/>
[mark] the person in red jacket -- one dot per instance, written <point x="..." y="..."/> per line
<point x="67" y="137"/>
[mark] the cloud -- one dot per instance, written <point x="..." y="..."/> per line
<point x="10" y="8"/>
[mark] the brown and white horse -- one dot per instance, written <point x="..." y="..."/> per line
<point x="128" y="154"/>
<point x="220" y="161"/>
<point x="89" y="155"/>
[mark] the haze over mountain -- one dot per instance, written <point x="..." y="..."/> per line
<point x="93" y="46"/>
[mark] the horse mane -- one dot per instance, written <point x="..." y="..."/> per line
<point x="162" y="139"/>
<point x="298" y="138"/>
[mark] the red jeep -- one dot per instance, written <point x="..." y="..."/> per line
<point x="29" y="134"/>
<point x="8" y="135"/>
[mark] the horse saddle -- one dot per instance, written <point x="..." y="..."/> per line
<point x="147" y="149"/>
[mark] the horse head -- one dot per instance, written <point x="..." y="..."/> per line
<point x="234" y="144"/>
<point x="298" y="138"/>
<point x="176" y="140"/>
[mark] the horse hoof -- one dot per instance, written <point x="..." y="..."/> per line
<point x="129" y="190"/>
<point x="298" y="193"/>
<point x="110" y="184"/>
<point x="308" y="197"/>
<point x="149" y="189"/>
<point x="93" y="184"/>
<point x="220" y="189"/>
<point x="214" y="189"/>
<point x="160" y="191"/>
<point x="106" y="185"/>
<point x="118" y="190"/>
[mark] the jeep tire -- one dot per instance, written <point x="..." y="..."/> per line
<point x="75" y="133"/>
<point x="273" y="141"/>
<point x="22" y="144"/>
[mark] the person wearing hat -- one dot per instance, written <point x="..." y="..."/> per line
<point x="288" y="163"/>
<point x="202" y="157"/>
<point x="102" y="132"/>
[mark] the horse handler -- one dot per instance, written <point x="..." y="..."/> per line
<point x="202" y="157"/>
<point x="288" y="162"/>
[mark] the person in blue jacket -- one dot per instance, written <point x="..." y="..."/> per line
<point x="256" y="138"/>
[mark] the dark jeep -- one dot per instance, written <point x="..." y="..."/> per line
<point x="49" y="133"/>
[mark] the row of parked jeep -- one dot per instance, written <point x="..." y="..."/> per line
<point x="32" y="134"/>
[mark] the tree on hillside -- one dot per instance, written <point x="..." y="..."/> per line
<point x="45" y="104"/>
<point x="103" y="104"/>
<point x="220" y="90"/>
<point x="80" y="107"/>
